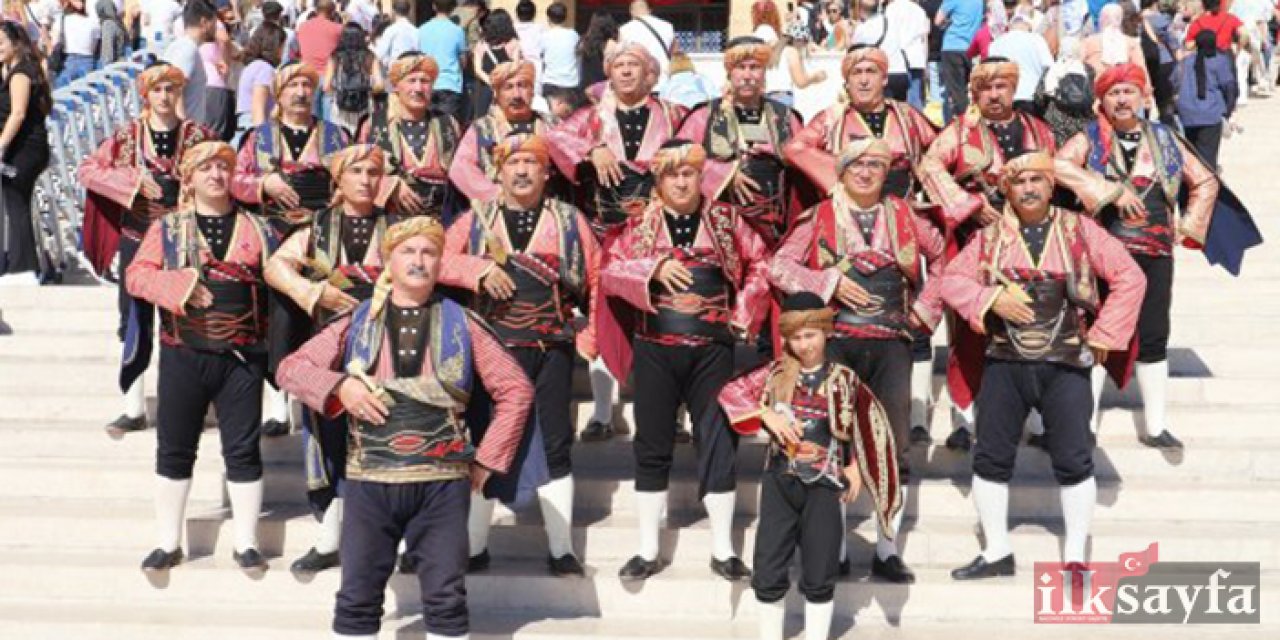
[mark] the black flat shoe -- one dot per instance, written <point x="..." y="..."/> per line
<point x="249" y="560"/>
<point x="892" y="569"/>
<point x="124" y="424"/>
<point x="1163" y="441"/>
<point x="960" y="440"/>
<point x="683" y="436"/>
<point x="1037" y="441"/>
<point x="638" y="568"/>
<point x="314" y="562"/>
<point x="732" y="569"/>
<point x="275" y="429"/>
<point x="980" y="568"/>
<point x="161" y="560"/>
<point x="406" y="564"/>
<point x="920" y="435"/>
<point x="478" y="563"/>
<point x="596" y="431"/>
<point x="565" y="565"/>
<point x="845" y="568"/>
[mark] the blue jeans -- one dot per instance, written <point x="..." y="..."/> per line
<point x="76" y="66"/>
<point x="937" y="92"/>
<point x="915" y="90"/>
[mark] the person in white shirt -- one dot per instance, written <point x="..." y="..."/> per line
<point x="79" y="34"/>
<point x="401" y="36"/>
<point x="874" y="31"/>
<point x="158" y="17"/>
<point x="559" y="50"/>
<point x="656" y="35"/>
<point x="1030" y="52"/>
<point x="362" y="13"/>
<point x="529" y="31"/>
<point x="912" y="25"/>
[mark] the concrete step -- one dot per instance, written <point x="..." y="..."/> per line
<point x="1120" y="455"/>
<point x="33" y="619"/>
<point x="1138" y="500"/>
<point x="679" y="592"/>
<point x="56" y="526"/>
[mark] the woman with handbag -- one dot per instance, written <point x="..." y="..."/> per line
<point x="25" y="101"/>
<point x="75" y="52"/>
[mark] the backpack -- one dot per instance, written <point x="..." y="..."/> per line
<point x="1074" y="93"/>
<point x="352" y="84"/>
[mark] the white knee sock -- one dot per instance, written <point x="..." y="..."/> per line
<point x="478" y="523"/>
<point x="992" y="500"/>
<point x="602" y="386"/>
<point x="720" y="513"/>
<point x="276" y="404"/>
<point x="884" y="546"/>
<point x="330" y="528"/>
<point x="1153" y="381"/>
<point x="171" y="505"/>
<point x="844" y="534"/>
<point x="651" y="508"/>
<point x="921" y="392"/>
<point x="1077" y="513"/>
<point x="963" y="418"/>
<point x="773" y="619"/>
<point x="246" y="505"/>
<point x="1098" y="380"/>
<point x="556" y="500"/>
<point x="1035" y="423"/>
<point x="817" y="620"/>
<point x="135" y="399"/>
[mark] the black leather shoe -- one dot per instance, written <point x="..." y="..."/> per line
<point x="478" y="563"/>
<point x="407" y="564"/>
<point x="920" y="435"/>
<point x="732" y="569"/>
<point x="892" y="569"/>
<point x="1037" y="441"/>
<point x="250" y="559"/>
<point x="960" y="440"/>
<point x="565" y="565"/>
<point x="596" y="431"/>
<point x="845" y="568"/>
<point x="124" y="424"/>
<point x="1163" y="441"/>
<point x="683" y="436"/>
<point x="314" y="562"/>
<point x="638" y="568"/>
<point x="161" y="560"/>
<point x="980" y="568"/>
<point x="275" y="429"/>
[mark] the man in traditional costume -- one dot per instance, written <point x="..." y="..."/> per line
<point x="693" y="274"/>
<point x="609" y="149"/>
<point x="281" y="163"/>
<point x="1157" y="193"/>
<point x="744" y="133"/>
<point x="474" y="171"/>
<point x="829" y="437"/>
<point x="129" y="181"/>
<point x="860" y="251"/>
<point x="202" y="266"/>
<point x="401" y="369"/>
<point x="419" y="144"/>
<point x="1028" y="282"/>
<point x="530" y="260"/>
<point x="864" y="112"/>
<point x="961" y="173"/>
<point x="326" y="269"/>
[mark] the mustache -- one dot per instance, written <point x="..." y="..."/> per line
<point x="522" y="181"/>
<point x="416" y="270"/>
<point x="299" y="101"/>
<point x="1030" y="198"/>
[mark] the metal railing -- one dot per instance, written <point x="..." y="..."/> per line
<point x="84" y="114"/>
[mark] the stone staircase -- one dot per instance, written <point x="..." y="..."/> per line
<point x="76" y="518"/>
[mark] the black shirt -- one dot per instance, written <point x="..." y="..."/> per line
<point x="1036" y="235"/>
<point x="684" y="229"/>
<point x="522" y="127"/>
<point x="1009" y="136"/>
<point x="415" y="133"/>
<point x="1129" y="141"/>
<point x="632" y="124"/>
<point x="296" y="139"/>
<point x="165" y="143"/>
<point x="866" y="222"/>
<point x="357" y="233"/>
<point x="876" y="121"/>
<point x="217" y="232"/>
<point x="520" y="225"/>
<point x="32" y="128"/>
<point x="407" y="329"/>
